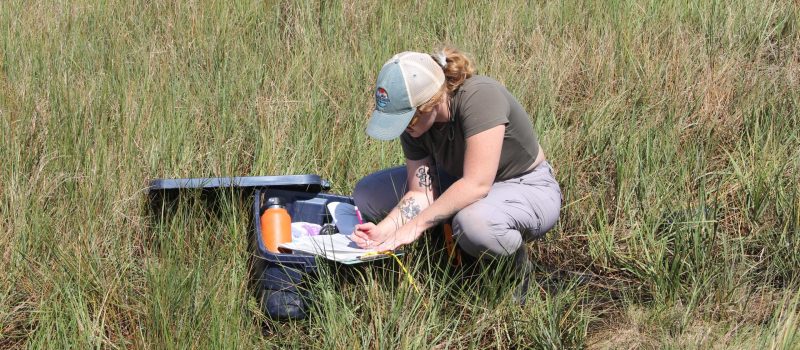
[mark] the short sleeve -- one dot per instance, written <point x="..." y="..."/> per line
<point x="412" y="148"/>
<point x="483" y="107"/>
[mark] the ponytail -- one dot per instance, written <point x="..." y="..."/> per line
<point x="457" y="68"/>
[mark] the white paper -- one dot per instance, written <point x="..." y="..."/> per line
<point x="337" y="247"/>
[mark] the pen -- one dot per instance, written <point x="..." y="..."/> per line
<point x="358" y="214"/>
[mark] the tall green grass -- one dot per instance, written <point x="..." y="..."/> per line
<point x="672" y="127"/>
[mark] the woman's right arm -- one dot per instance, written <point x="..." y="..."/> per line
<point x="422" y="191"/>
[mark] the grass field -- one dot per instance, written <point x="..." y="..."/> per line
<point x="673" y="128"/>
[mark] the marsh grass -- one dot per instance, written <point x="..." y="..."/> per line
<point x="672" y="127"/>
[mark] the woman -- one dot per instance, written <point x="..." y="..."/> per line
<point x="471" y="156"/>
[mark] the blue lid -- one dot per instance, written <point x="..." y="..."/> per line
<point x="244" y="182"/>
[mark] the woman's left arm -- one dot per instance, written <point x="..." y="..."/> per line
<point x="481" y="160"/>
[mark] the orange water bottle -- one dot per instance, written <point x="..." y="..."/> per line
<point x="276" y="225"/>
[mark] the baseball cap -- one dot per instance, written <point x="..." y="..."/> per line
<point x="405" y="82"/>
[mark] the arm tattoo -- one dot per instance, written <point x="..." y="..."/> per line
<point x="425" y="180"/>
<point x="437" y="220"/>
<point x="408" y="209"/>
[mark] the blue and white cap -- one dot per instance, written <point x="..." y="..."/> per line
<point x="406" y="81"/>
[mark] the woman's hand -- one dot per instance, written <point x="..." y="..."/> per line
<point x="371" y="236"/>
<point x="367" y="235"/>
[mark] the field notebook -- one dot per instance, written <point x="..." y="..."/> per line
<point x="338" y="246"/>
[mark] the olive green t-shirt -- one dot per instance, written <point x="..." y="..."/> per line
<point x="480" y="104"/>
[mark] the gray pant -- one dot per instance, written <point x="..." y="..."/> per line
<point x="515" y="210"/>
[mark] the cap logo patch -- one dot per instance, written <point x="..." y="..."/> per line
<point x="381" y="97"/>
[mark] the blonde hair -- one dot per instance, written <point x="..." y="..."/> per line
<point x="457" y="68"/>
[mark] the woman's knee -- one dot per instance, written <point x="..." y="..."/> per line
<point x="377" y="193"/>
<point x="480" y="231"/>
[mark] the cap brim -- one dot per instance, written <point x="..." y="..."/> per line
<point x="385" y="126"/>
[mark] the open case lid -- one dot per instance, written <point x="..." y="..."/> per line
<point x="163" y="193"/>
<point x="310" y="182"/>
